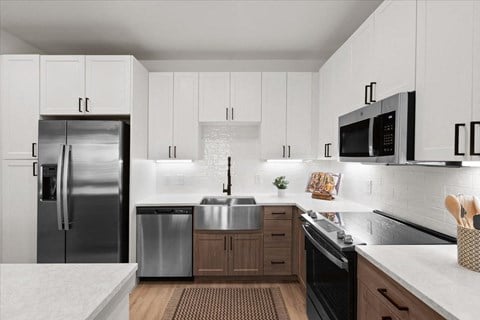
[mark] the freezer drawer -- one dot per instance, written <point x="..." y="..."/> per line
<point x="164" y="242"/>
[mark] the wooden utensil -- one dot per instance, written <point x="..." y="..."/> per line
<point x="453" y="206"/>
<point x="468" y="209"/>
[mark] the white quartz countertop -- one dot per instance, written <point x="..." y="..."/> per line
<point x="60" y="291"/>
<point x="303" y="201"/>
<point x="432" y="274"/>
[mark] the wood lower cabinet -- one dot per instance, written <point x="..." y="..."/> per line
<point x="228" y="254"/>
<point x="245" y="255"/>
<point x="380" y="297"/>
<point x="277" y="230"/>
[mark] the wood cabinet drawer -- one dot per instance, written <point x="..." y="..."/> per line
<point x="390" y="294"/>
<point x="277" y="233"/>
<point x="372" y="308"/>
<point x="277" y="212"/>
<point x="277" y="261"/>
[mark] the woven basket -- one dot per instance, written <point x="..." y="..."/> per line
<point x="468" y="247"/>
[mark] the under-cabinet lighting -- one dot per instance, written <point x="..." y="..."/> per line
<point x="174" y="161"/>
<point x="284" y="160"/>
<point x="471" y="164"/>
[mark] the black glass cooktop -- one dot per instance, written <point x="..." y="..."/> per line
<point x="376" y="228"/>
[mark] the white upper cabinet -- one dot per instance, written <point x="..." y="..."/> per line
<point x="246" y="96"/>
<point x="395" y="40"/>
<point x="287" y="115"/>
<point x="274" y="118"/>
<point x="444" y="79"/>
<point x="86" y="85"/>
<point x="108" y="84"/>
<point x="475" y="126"/>
<point x="327" y="116"/>
<point x="214" y="103"/>
<point x="19" y="105"/>
<point x="299" y="115"/>
<point x="62" y="85"/>
<point x="173" y="115"/>
<point x="160" y="115"/>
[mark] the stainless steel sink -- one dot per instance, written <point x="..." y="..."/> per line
<point x="227" y="213"/>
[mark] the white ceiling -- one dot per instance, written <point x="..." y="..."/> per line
<point x="221" y="29"/>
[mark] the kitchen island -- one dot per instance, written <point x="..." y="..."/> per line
<point x="66" y="291"/>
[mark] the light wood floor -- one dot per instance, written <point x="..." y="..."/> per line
<point x="149" y="299"/>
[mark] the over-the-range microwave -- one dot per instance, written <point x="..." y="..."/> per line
<point x="382" y="132"/>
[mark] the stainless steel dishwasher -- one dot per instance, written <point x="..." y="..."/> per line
<point x="164" y="241"/>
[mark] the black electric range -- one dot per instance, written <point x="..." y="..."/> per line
<point x="330" y="240"/>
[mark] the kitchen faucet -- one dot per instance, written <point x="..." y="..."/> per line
<point x="229" y="179"/>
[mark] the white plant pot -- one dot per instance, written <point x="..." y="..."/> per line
<point x="282" y="193"/>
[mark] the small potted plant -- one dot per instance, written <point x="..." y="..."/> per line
<point x="281" y="184"/>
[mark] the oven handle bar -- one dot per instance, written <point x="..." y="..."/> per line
<point x="341" y="263"/>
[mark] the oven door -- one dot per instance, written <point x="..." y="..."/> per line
<point x="330" y="280"/>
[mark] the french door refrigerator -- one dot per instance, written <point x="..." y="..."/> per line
<point x="82" y="191"/>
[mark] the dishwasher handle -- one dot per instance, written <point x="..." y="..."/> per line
<point x="164" y="210"/>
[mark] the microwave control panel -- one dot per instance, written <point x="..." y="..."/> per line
<point x="387" y="134"/>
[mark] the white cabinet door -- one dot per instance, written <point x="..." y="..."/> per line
<point x="160" y="115"/>
<point x="395" y="35"/>
<point x="185" y="115"/>
<point x="19" y="212"/>
<point x="444" y="78"/>
<point x="274" y="115"/>
<point x="20" y="106"/>
<point x="214" y="97"/>
<point x="246" y="96"/>
<point x="362" y="63"/>
<point x="299" y="115"/>
<point x="475" y="152"/>
<point x="327" y="116"/>
<point x="62" y="85"/>
<point x="108" y="85"/>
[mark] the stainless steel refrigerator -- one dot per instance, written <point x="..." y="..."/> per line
<point x="82" y="191"/>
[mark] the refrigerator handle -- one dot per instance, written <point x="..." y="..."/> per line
<point x="66" y="172"/>
<point x="59" y="186"/>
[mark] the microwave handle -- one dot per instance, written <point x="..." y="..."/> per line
<point x="370" y="136"/>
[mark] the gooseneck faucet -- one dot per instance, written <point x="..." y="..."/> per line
<point x="229" y="179"/>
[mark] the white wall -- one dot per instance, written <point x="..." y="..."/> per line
<point x="232" y="65"/>
<point x="10" y="44"/>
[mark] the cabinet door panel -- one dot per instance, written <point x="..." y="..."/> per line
<point x="395" y="34"/>
<point x="274" y="114"/>
<point x="62" y="83"/>
<point x="19" y="212"/>
<point x="327" y="116"/>
<point x="444" y="78"/>
<point x="476" y="81"/>
<point x="246" y="254"/>
<point x="20" y="105"/>
<point x="214" y="96"/>
<point x="246" y="96"/>
<point x="185" y="115"/>
<point x="299" y="113"/>
<point x="108" y="84"/>
<point x="160" y="115"/>
<point x="211" y="255"/>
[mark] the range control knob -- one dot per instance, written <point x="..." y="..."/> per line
<point x="340" y="234"/>
<point x="312" y="214"/>
<point x="348" y="239"/>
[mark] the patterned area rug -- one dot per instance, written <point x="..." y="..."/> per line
<point x="226" y="304"/>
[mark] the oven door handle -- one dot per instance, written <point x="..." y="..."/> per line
<point x="342" y="263"/>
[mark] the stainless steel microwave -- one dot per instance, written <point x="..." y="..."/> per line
<point x="382" y="132"/>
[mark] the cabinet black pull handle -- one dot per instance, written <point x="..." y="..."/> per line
<point x="283" y="153"/>
<point x="457" y="136"/>
<point x="169" y="151"/>
<point x="366" y="94"/>
<point x="327" y="148"/>
<point x="86" y="105"/>
<point x="34" y="144"/>
<point x="383" y="292"/>
<point x="277" y="262"/>
<point x="233" y="114"/>
<point x="372" y="86"/>
<point x="225" y="243"/>
<point x="386" y="318"/>
<point x="231" y="243"/>
<point x="473" y="124"/>
<point x="175" y="152"/>
<point x="278" y="234"/>
<point x="80" y="105"/>
<point x="289" y="149"/>
<point x="226" y="113"/>
<point x="34" y="169"/>
<point x="279" y="212"/>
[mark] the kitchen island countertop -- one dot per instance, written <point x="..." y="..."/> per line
<point x="431" y="273"/>
<point x="65" y="291"/>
